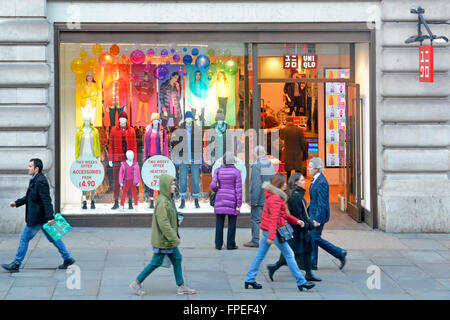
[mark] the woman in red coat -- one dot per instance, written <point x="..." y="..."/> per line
<point x="274" y="215"/>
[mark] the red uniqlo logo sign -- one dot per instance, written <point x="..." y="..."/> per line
<point x="309" y="61"/>
<point x="426" y="64"/>
<point x="290" y="61"/>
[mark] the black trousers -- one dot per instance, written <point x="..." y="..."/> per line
<point x="306" y="259"/>
<point x="231" y="235"/>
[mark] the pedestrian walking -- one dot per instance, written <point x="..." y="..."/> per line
<point x="294" y="146"/>
<point x="275" y="214"/>
<point x="38" y="211"/>
<point x="301" y="244"/>
<point x="165" y="238"/>
<point x="227" y="183"/>
<point x="319" y="210"/>
<point x="261" y="172"/>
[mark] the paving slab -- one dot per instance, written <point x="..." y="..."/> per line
<point x="439" y="270"/>
<point x="444" y="282"/>
<point x="434" y="295"/>
<point x="424" y="256"/>
<point x="295" y="294"/>
<point x="423" y="244"/>
<point x="87" y="288"/>
<point x="208" y="280"/>
<point x="30" y="293"/>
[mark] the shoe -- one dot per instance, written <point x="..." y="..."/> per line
<point x="182" y="205"/>
<point x="66" y="263"/>
<point x="342" y="259"/>
<point x="92" y="204"/>
<point x="271" y="269"/>
<point x="130" y="204"/>
<point x="308" y="285"/>
<point x="196" y="204"/>
<point x="137" y="288"/>
<point x="185" y="290"/>
<point x="116" y="205"/>
<point x="251" y="244"/>
<point x="314" y="268"/>
<point x="84" y="207"/>
<point x="254" y="285"/>
<point x="313" y="278"/>
<point x="151" y="205"/>
<point x="12" y="267"/>
<point x="234" y="248"/>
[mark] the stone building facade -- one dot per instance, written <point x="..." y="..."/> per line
<point x="412" y="118"/>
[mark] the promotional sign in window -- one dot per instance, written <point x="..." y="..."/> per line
<point x="426" y="64"/>
<point x="87" y="173"/>
<point x="154" y="167"/>
<point x="335" y="104"/>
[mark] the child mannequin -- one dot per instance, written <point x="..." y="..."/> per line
<point x="129" y="177"/>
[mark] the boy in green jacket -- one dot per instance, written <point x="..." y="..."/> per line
<point x="165" y="238"/>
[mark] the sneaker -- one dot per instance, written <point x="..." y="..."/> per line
<point x="137" y="288"/>
<point x="251" y="244"/>
<point x="66" y="263"/>
<point x="185" y="290"/>
<point x="12" y="267"/>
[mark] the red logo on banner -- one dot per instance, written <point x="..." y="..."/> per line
<point x="426" y="64"/>
<point x="290" y="61"/>
<point x="309" y="61"/>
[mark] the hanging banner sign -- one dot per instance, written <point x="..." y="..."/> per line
<point x="309" y="61"/>
<point x="154" y="167"/>
<point x="426" y="64"/>
<point x="87" y="173"/>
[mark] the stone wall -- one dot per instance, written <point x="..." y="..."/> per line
<point x="25" y="117"/>
<point x="413" y="123"/>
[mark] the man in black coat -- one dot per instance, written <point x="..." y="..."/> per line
<point x="38" y="211"/>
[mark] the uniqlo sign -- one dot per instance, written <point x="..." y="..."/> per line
<point x="309" y="61"/>
<point x="426" y="64"/>
<point x="290" y="61"/>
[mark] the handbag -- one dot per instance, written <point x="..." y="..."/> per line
<point x="212" y="197"/>
<point x="58" y="229"/>
<point x="285" y="232"/>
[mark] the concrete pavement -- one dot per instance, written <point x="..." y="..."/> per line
<point x="411" y="266"/>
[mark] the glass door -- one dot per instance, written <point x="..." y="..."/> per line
<point x="354" y="170"/>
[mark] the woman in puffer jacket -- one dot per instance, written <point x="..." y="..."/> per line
<point x="227" y="183"/>
<point x="275" y="214"/>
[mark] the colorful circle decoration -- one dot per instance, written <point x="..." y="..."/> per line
<point x="202" y="62"/>
<point x="78" y="66"/>
<point x="184" y="49"/>
<point x="106" y="59"/>
<point x="211" y="71"/>
<point x="211" y="52"/>
<point x="97" y="49"/>
<point x="219" y="63"/>
<point x="83" y="54"/>
<point x="150" y="52"/>
<point x="114" y="50"/>
<point x="172" y="50"/>
<point x="161" y="72"/>
<point x="91" y="63"/>
<point x="195" y="52"/>
<point x="176" y="58"/>
<point x="164" y="53"/>
<point x="230" y="67"/>
<point x="187" y="59"/>
<point x="167" y="62"/>
<point x="227" y="53"/>
<point x="137" y="57"/>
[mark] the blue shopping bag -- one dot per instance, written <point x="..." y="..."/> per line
<point x="58" y="229"/>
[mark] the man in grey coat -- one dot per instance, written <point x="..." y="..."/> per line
<point x="261" y="171"/>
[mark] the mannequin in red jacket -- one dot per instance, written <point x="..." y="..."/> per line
<point x="122" y="138"/>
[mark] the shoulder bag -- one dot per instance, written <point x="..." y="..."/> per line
<point x="212" y="197"/>
<point x="285" y="232"/>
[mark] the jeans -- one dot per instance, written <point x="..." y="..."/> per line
<point x="316" y="235"/>
<point x="223" y="105"/>
<point x="157" y="261"/>
<point x="195" y="174"/>
<point x="287" y="253"/>
<point x="27" y="234"/>
<point x="231" y="234"/>
<point x="255" y="219"/>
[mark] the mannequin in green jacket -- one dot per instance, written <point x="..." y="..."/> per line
<point x="165" y="238"/>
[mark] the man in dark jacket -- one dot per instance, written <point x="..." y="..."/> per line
<point x="261" y="172"/>
<point x="38" y="211"/>
<point x="294" y="146"/>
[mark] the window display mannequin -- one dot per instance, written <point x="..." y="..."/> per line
<point x="145" y="89"/>
<point x="87" y="144"/>
<point x="170" y="95"/>
<point x="129" y="178"/>
<point x="189" y="162"/>
<point x="222" y="91"/>
<point x="155" y="143"/>
<point x="198" y="90"/>
<point x="89" y="94"/>
<point x="221" y="127"/>
<point x="115" y="93"/>
<point x="122" y="138"/>
<point x="295" y="95"/>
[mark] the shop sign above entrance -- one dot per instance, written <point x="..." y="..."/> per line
<point x="309" y="61"/>
<point x="290" y="61"/>
<point x="426" y="64"/>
